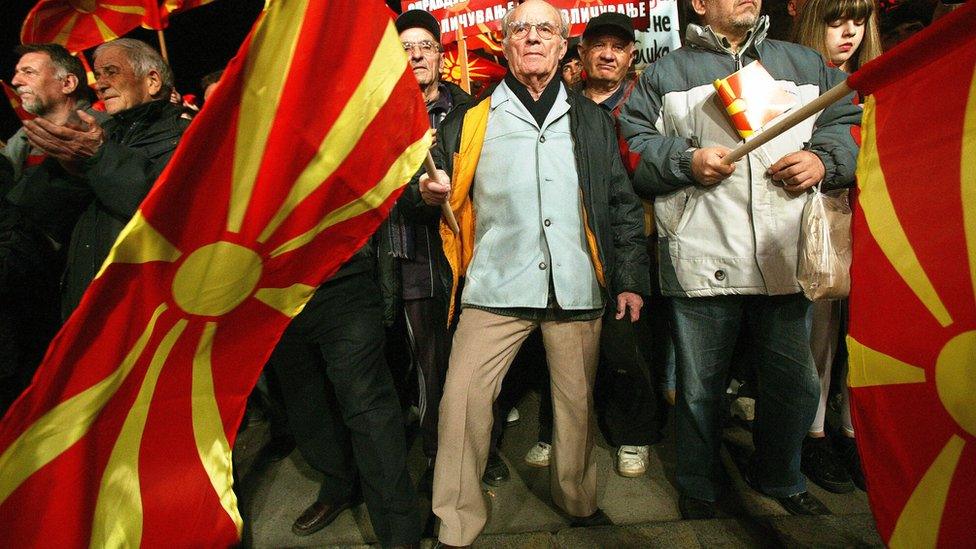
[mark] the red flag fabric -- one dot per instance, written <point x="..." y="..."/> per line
<point x="912" y="337"/>
<point x="124" y="438"/>
<point x="579" y="12"/>
<point x="79" y="25"/>
<point x="170" y="7"/>
<point x="479" y="68"/>
<point x="14" y="101"/>
<point x="490" y="42"/>
<point x="476" y="17"/>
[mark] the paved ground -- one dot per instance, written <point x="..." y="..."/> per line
<point x="644" y="509"/>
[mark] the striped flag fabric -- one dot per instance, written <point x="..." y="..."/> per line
<point x="124" y="437"/>
<point x="912" y="337"/>
<point x="79" y="25"/>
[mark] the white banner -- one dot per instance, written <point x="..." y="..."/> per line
<point x="662" y="34"/>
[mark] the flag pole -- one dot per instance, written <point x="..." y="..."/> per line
<point x="463" y="61"/>
<point x="162" y="45"/>
<point x="446" y="206"/>
<point x="833" y="95"/>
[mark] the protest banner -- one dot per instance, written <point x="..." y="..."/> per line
<point x="662" y="35"/>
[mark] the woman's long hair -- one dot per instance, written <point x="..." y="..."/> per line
<point x="811" y="27"/>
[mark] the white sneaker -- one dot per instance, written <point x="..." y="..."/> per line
<point x="538" y="455"/>
<point x="513" y="417"/>
<point x="632" y="461"/>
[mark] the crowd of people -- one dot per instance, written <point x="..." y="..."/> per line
<point x="604" y="244"/>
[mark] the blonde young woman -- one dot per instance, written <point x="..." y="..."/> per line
<point x="845" y="32"/>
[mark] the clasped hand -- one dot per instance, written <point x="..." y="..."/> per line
<point x="70" y="144"/>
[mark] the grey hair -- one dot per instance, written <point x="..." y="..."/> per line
<point x="563" y="21"/>
<point x="144" y="58"/>
<point x="64" y="64"/>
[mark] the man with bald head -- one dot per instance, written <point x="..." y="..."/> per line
<point x="558" y="239"/>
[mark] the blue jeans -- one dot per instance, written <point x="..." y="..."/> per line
<point x="705" y="331"/>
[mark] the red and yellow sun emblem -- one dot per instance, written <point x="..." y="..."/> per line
<point x="913" y="304"/>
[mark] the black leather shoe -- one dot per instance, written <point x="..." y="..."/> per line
<point x="280" y="447"/>
<point x="822" y="466"/>
<point x="317" y="516"/>
<point x="496" y="472"/>
<point x="598" y="518"/>
<point x="851" y="460"/>
<point x="803" y="504"/>
<point x="695" y="509"/>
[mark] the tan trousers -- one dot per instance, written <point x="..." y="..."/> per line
<point x="484" y="347"/>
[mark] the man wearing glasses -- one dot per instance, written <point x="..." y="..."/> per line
<point x="558" y="237"/>
<point x="415" y="301"/>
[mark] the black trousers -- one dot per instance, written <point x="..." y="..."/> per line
<point x="430" y="346"/>
<point x="629" y="406"/>
<point x="342" y="407"/>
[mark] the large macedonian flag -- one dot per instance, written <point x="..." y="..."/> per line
<point x="125" y="435"/>
<point x="913" y="301"/>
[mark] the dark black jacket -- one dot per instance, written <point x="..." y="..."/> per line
<point x="94" y="207"/>
<point x="613" y="212"/>
<point x="389" y="275"/>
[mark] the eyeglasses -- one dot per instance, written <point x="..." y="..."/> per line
<point x="426" y="46"/>
<point x="520" y="29"/>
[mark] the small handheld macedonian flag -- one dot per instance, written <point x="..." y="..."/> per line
<point x="752" y="98"/>
<point x="124" y="437"/>
<point x="912" y="336"/>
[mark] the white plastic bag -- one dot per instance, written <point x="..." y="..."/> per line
<point x="824" y="262"/>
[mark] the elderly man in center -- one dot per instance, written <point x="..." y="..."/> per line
<point x="551" y="234"/>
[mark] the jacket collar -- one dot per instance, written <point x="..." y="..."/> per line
<point x="151" y="109"/>
<point x="705" y="38"/>
<point x="502" y="95"/>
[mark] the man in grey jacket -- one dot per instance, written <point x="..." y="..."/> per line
<point x="728" y="240"/>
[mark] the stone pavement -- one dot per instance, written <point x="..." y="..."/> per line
<point x="644" y="510"/>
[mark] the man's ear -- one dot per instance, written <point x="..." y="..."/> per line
<point x="698" y="6"/>
<point x="155" y="83"/>
<point x="69" y="84"/>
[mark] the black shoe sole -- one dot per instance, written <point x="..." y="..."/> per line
<point x="327" y="520"/>
<point x="833" y="487"/>
<point x="798" y="510"/>
<point x="495" y="481"/>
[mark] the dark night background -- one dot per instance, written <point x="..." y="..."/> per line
<point x="199" y="41"/>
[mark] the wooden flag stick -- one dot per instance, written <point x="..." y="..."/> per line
<point x="162" y="45"/>
<point x="463" y="61"/>
<point x="806" y="111"/>
<point x="445" y="207"/>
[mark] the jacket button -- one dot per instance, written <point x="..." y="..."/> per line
<point x="542" y="139"/>
<point x="547" y="223"/>
<point x="720" y="275"/>
<point x="542" y="265"/>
